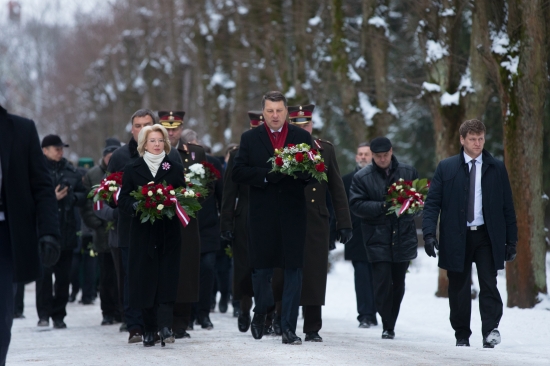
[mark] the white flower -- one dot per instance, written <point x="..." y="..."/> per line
<point x="412" y="189"/>
<point x="112" y="189"/>
<point x="399" y="188"/>
<point x="172" y="192"/>
<point x="160" y="207"/>
<point x="159" y="191"/>
<point x="150" y="193"/>
<point x="317" y="157"/>
<point x="151" y="182"/>
<point x="197" y="169"/>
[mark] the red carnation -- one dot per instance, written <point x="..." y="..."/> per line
<point x="320" y="167"/>
<point x="147" y="204"/>
<point x="104" y="195"/>
<point x="212" y="169"/>
<point x="197" y="194"/>
<point x="313" y="151"/>
<point x="401" y="200"/>
<point x="190" y="185"/>
<point x="299" y="157"/>
<point x="279" y="161"/>
<point x="144" y="191"/>
<point x="167" y="203"/>
<point x="158" y="197"/>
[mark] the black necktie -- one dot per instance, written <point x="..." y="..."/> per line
<point x="472" y="197"/>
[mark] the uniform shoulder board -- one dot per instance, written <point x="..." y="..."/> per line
<point x="326" y="142"/>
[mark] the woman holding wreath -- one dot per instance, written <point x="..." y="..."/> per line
<point x="154" y="247"/>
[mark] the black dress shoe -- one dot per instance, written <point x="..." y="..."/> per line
<point x="364" y="324"/>
<point x="149" y="339"/>
<point x="277" y="325"/>
<point x="257" y="326"/>
<point x="463" y="342"/>
<point x="290" y="338"/>
<point x="108" y="320"/>
<point x="491" y="339"/>
<point x="268" y="330"/>
<point x="44" y="322"/>
<point x="372" y="323"/>
<point x="313" y="337"/>
<point x="72" y="297"/>
<point x="388" y="334"/>
<point x="181" y="333"/>
<point x="59" y="324"/>
<point x="243" y="321"/>
<point x="206" y="323"/>
<point x="189" y="326"/>
<point x="166" y="336"/>
<point x="18" y="316"/>
<point x="236" y="312"/>
<point x="135" y="336"/>
<point x="123" y="327"/>
<point x="222" y="306"/>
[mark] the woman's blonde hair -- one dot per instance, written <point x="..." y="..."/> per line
<point x="144" y="134"/>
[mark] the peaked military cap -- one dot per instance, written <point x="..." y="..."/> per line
<point x="171" y="119"/>
<point x="256" y="118"/>
<point x="300" y="114"/>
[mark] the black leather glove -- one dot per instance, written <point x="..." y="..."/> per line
<point x="49" y="250"/>
<point x="331" y="245"/>
<point x="135" y="205"/>
<point x="344" y="235"/>
<point x="510" y="252"/>
<point x="274" y="177"/>
<point x="227" y="235"/>
<point x="303" y="176"/>
<point x="430" y="244"/>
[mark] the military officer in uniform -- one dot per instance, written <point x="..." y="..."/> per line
<point x="188" y="285"/>
<point x="234" y="218"/>
<point x="316" y="249"/>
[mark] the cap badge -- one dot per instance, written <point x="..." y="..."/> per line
<point x="301" y="113"/>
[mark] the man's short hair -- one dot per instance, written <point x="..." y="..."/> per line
<point x="473" y="126"/>
<point x="188" y="136"/>
<point x="274" y="96"/>
<point x="144" y="112"/>
<point x="363" y="144"/>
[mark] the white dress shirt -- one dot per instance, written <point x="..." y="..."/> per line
<point x="478" y="206"/>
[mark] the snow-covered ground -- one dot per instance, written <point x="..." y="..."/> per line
<point x="423" y="334"/>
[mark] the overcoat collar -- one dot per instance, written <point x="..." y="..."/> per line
<point x="488" y="160"/>
<point x="143" y="170"/>
<point x="6" y="140"/>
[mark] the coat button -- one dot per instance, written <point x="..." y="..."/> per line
<point x="186" y="160"/>
<point x="392" y="243"/>
<point x="394" y="232"/>
<point x="314" y="189"/>
<point x="312" y="200"/>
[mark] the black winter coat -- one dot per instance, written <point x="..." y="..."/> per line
<point x="63" y="172"/>
<point x="448" y="200"/>
<point x="27" y="194"/>
<point x="208" y="216"/>
<point x="355" y="248"/>
<point x="154" y="253"/>
<point x="277" y="209"/>
<point x="121" y="157"/>
<point x="387" y="237"/>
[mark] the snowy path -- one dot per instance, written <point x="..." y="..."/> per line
<point x="423" y="335"/>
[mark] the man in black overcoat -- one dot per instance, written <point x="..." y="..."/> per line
<point x="356" y="253"/>
<point x="471" y="196"/>
<point x="391" y="241"/>
<point x="29" y="225"/>
<point x="277" y="215"/>
<point x="120" y="158"/>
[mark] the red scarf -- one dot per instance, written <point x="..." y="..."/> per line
<point x="280" y="143"/>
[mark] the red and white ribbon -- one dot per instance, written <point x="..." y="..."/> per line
<point x="311" y="156"/>
<point x="182" y="215"/>
<point x="115" y="196"/>
<point x="405" y="206"/>
<point x="98" y="205"/>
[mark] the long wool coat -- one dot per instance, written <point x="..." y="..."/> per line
<point x="277" y="209"/>
<point x="154" y="253"/>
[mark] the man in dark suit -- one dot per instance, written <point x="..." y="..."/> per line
<point x="356" y="253"/>
<point x="29" y="225"/>
<point x="478" y="226"/>
<point x="277" y="215"/>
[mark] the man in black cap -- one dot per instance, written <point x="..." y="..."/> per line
<point x="108" y="287"/>
<point x="70" y="193"/>
<point x="391" y="241"/>
<point x="29" y="227"/>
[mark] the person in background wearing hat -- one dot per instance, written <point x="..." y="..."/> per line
<point x="70" y="193"/>
<point x="277" y="215"/>
<point x="233" y="223"/>
<point x="391" y="242"/>
<point x="188" y="284"/>
<point x="121" y="157"/>
<point x="471" y="197"/>
<point x="314" y="281"/>
<point x="108" y="285"/>
<point x="356" y="253"/>
<point x="29" y="225"/>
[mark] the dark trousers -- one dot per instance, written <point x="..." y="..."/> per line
<point x="6" y="291"/>
<point x="182" y="315"/>
<point x="292" y="289"/>
<point x="313" y="321"/>
<point x="478" y="250"/>
<point x="158" y="317"/>
<point x="364" y="291"/>
<point x="207" y="278"/>
<point x="19" y="301"/>
<point x="132" y="316"/>
<point x="222" y="281"/>
<point x="51" y="301"/>
<point x="117" y="263"/>
<point x="389" y="289"/>
<point x="84" y="275"/>
<point x="245" y="304"/>
<point x="108" y="286"/>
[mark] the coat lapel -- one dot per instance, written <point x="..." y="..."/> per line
<point x="143" y="170"/>
<point x="164" y="168"/>
<point x="6" y="138"/>
<point x="265" y="140"/>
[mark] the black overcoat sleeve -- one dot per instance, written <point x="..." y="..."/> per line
<point x="432" y="206"/>
<point x="229" y="197"/>
<point x="243" y="171"/>
<point x="125" y="201"/>
<point x="508" y="207"/>
<point x="360" y="202"/>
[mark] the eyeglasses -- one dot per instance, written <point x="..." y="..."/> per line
<point x="154" y="141"/>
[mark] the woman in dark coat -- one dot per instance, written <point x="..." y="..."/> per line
<point x="154" y="248"/>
